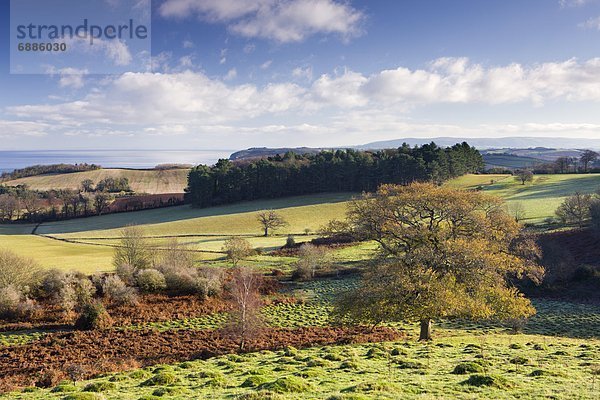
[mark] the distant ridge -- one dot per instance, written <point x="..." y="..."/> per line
<point x="492" y="143"/>
<point x="540" y="146"/>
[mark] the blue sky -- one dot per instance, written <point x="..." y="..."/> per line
<point x="230" y="74"/>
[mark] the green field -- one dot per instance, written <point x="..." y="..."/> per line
<point x="539" y="198"/>
<point x="86" y="245"/>
<point x="141" y="181"/>
<point x="557" y="356"/>
<point x="90" y="240"/>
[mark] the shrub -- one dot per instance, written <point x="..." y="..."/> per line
<point x="584" y="273"/>
<point x="210" y="281"/>
<point x="93" y="316"/>
<point x="116" y="292"/>
<point x="100" y="386"/>
<point x="52" y="283"/>
<point x="467" y="368"/>
<point x="150" y="280"/>
<point x="76" y="291"/>
<point x="14" y="305"/>
<point x="287" y="384"/>
<point x="290" y="242"/>
<point x="161" y="379"/>
<point x="20" y="272"/>
<point x="126" y="272"/>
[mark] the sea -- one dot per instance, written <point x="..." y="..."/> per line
<point x="138" y="159"/>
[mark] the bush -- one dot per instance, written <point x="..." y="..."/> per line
<point x="584" y="273"/>
<point x="52" y="283"/>
<point x="93" y="316"/>
<point x="20" y="272"/>
<point x="116" y="292"/>
<point x="150" y="281"/>
<point x="126" y="272"/>
<point x="14" y="305"/>
<point x="290" y="242"/>
<point x="210" y="281"/>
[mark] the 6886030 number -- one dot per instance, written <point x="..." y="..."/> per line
<point x="42" y="47"/>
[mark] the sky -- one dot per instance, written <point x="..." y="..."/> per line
<point x="232" y="74"/>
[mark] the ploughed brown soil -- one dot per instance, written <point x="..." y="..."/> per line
<point x="46" y="362"/>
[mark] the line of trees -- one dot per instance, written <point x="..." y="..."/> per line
<point x="328" y="171"/>
<point x="47" y="169"/>
<point x="586" y="163"/>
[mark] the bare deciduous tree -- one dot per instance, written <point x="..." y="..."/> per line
<point x="245" y="320"/>
<point x="270" y="220"/>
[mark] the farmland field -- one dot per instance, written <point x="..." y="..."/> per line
<point x="539" y="198"/>
<point x="91" y="240"/>
<point x="141" y="181"/>
<point x="205" y="230"/>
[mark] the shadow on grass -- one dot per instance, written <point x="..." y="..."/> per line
<point x="181" y="213"/>
<point x="543" y="190"/>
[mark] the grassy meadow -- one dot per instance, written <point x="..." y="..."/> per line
<point x="557" y="356"/>
<point x="87" y="244"/>
<point x="539" y="198"/>
<point x="141" y="181"/>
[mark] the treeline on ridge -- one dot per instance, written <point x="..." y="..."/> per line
<point x="328" y="171"/>
<point x="47" y="169"/>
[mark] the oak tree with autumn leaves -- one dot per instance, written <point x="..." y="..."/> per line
<point x="446" y="253"/>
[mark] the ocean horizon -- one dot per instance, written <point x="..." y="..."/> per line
<point x="137" y="159"/>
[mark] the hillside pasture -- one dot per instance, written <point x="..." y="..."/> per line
<point x="539" y="198"/>
<point x="141" y="181"/>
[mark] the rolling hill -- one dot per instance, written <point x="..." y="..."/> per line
<point x="154" y="181"/>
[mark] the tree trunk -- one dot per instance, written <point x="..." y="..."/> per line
<point x="266" y="232"/>
<point x="425" y="329"/>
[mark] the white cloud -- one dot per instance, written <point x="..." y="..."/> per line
<point x="249" y="48"/>
<point x="23" y="128"/>
<point x="115" y="50"/>
<point x="572" y="3"/>
<point x="231" y="75"/>
<point x="266" y="64"/>
<point x="592" y="23"/>
<point x="186" y="62"/>
<point x="69" y="77"/>
<point x="345" y="101"/>
<point x="280" y="20"/>
<point x="303" y="73"/>
<point x="188" y="44"/>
